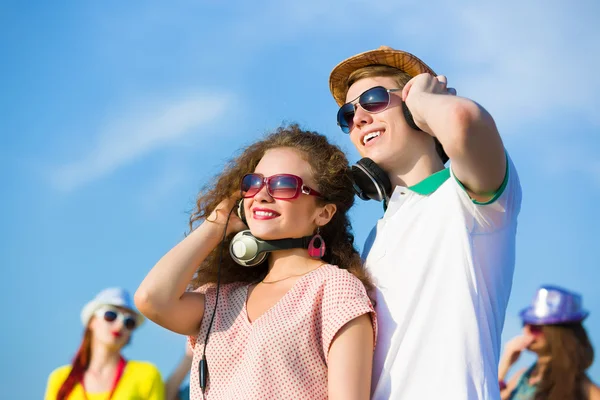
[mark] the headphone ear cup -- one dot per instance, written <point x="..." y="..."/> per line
<point x="246" y="250"/>
<point x="370" y="181"/>
<point x="411" y="122"/>
<point x="409" y="118"/>
<point x="380" y="174"/>
<point x="240" y="211"/>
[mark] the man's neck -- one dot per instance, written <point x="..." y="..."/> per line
<point x="422" y="168"/>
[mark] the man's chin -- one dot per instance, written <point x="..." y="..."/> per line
<point x="381" y="159"/>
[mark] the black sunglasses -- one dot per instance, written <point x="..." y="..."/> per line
<point x="374" y="100"/>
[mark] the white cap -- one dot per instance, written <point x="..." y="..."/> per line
<point x="110" y="297"/>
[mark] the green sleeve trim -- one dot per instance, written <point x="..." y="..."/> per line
<point x="497" y="193"/>
<point x="431" y="183"/>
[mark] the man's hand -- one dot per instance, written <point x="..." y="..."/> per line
<point x="466" y="131"/>
<point x="412" y="95"/>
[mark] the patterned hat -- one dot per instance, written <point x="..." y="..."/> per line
<point x="554" y="305"/>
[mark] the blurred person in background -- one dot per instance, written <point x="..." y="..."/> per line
<point x="99" y="371"/>
<point x="173" y="387"/>
<point x="553" y="330"/>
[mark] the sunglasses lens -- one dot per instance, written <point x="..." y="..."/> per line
<point x="283" y="187"/>
<point x="251" y="184"/>
<point x="375" y="100"/>
<point x="345" y="116"/>
<point x="129" y="323"/>
<point x="535" y="329"/>
<point x="110" y="316"/>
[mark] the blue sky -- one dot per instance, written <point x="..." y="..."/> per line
<point x="115" y="113"/>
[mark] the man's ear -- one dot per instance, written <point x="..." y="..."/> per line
<point x="325" y="214"/>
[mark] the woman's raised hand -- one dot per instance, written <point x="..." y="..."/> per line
<point x="223" y="210"/>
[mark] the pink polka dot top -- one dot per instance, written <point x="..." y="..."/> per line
<point x="283" y="353"/>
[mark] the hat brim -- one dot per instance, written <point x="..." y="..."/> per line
<point x="528" y="316"/>
<point x="402" y="60"/>
<point x="90" y="308"/>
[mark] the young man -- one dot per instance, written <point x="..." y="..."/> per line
<point x="443" y="254"/>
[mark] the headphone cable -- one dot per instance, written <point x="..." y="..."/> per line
<point x="203" y="366"/>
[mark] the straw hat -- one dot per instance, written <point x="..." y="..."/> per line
<point x="384" y="55"/>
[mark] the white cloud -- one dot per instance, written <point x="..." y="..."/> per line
<point x="527" y="60"/>
<point x="143" y="129"/>
<point x="536" y="56"/>
<point x="521" y="59"/>
<point x="156" y="194"/>
<point x="524" y="61"/>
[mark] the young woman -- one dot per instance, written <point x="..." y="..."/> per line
<point x="299" y="324"/>
<point x="99" y="371"/>
<point x="552" y="329"/>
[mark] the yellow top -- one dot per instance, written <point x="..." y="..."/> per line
<point x="140" y="381"/>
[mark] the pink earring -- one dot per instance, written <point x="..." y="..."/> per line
<point x="316" y="247"/>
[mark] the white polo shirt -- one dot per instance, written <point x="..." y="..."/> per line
<point x="443" y="266"/>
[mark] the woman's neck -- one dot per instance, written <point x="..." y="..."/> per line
<point x="103" y="358"/>
<point x="541" y="365"/>
<point x="291" y="262"/>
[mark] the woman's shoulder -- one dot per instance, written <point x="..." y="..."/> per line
<point x="60" y="373"/>
<point x="333" y="273"/>
<point x="336" y="279"/>
<point x="145" y="368"/>
<point x="56" y="380"/>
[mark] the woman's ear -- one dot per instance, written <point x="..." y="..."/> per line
<point x="325" y="214"/>
<point x="93" y="322"/>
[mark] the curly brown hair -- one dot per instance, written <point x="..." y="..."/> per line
<point x="330" y="169"/>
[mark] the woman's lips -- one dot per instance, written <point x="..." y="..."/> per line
<point x="264" y="214"/>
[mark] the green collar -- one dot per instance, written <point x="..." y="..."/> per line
<point x="431" y="183"/>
